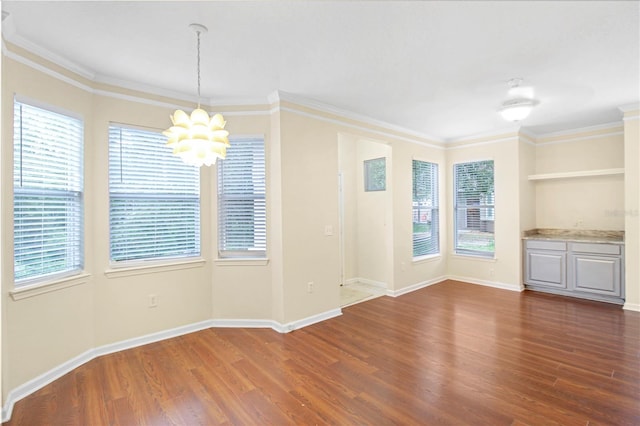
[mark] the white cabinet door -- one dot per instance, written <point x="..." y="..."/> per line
<point x="546" y="268"/>
<point x="596" y="274"/>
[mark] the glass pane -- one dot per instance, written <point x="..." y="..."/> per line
<point x="154" y="198"/>
<point x="242" y="219"/>
<point x="375" y="174"/>
<point x="47" y="193"/>
<point x="474" y="208"/>
<point x="425" y="209"/>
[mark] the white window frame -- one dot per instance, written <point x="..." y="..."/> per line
<point x="485" y="206"/>
<point x="57" y="174"/>
<point x="426" y="210"/>
<point x="242" y="161"/>
<point x="152" y="176"/>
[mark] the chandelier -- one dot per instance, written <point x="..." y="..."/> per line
<point x="197" y="138"/>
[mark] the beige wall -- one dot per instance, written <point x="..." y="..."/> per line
<point x="349" y="202"/>
<point x="527" y="190"/>
<point x="56" y="324"/>
<point x="632" y="208"/>
<point x="242" y="289"/>
<point x="527" y="167"/>
<point x="504" y="269"/>
<point x="309" y="155"/>
<point x="593" y="202"/>
<point x="407" y="270"/>
<point x="121" y="298"/>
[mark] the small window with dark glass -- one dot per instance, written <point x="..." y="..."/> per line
<point x="375" y="174"/>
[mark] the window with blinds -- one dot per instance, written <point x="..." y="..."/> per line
<point x="47" y="194"/>
<point x="242" y="212"/>
<point x="474" y="208"/>
<point x="154" y="198"/>
<point x="426" y="223"/>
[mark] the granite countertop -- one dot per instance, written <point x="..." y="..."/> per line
<point x="576" y="235"/>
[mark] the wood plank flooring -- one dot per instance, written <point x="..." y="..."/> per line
<point x="452" y="353"/>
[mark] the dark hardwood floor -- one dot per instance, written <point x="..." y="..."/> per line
<point x="452" y="353"/>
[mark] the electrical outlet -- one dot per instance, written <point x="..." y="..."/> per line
<point x="310" y="287"/>
<point x="153" y="301"/>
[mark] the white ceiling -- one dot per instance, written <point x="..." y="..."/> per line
<point x="435" y="67"/>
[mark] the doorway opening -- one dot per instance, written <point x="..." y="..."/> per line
<point x="366" y="218"/>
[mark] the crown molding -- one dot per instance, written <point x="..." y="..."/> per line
<point x="461" y="145"/>
<point x="315" y="104"/>
<point x="144" y="88"/>
<point x="508" y="130"/>
<point x="6" y="51"/>
<point x="629" y="107"/>
<point x="340" y="122"/>
<point x="273" y="97"/>
<point x="604" y="126"/>
<point x="10" y="34"/>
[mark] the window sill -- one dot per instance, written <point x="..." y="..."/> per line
<point x="427" y="258"/>
<point x="49" y="286"/>
<point x="262" y="261"/>
<point x="474" y="257"/>
<point x="130" y="269"/>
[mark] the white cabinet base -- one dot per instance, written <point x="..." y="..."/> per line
<point x="587" y="270"/>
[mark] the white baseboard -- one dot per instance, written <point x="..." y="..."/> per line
<point x="494" y="284"/>
<point x="246" y="323"/>
<point x="631" y="307"/>
<point x="42" y="380"/>
<point x="275" y="325"/>
<point x="418" y="286"/>
<point x="151" y="338"/>
<point x="295" y="325"/>
<point x="366" y="281"/>
<point x="414" y="287"/>
<point x="55" y="373"/>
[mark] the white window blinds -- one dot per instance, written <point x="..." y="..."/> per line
<point x="474" y="200"/>
<point x="242" y="218"/>
<point x="154" y="198"/>
<point x="426" y="223"/>
<point x="47" y="194"/>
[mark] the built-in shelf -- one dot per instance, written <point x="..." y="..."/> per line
<point x="586" y="173"/>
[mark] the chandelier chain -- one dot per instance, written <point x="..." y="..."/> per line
<point x="198" y="33"/>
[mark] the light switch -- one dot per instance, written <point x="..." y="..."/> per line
<point x="328" y="230"/>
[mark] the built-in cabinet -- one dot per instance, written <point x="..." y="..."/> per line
<point x="581" y="269"/>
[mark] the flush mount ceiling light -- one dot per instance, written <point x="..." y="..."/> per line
<point x="520" y="102"/>
<point x="197" y="138"/>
